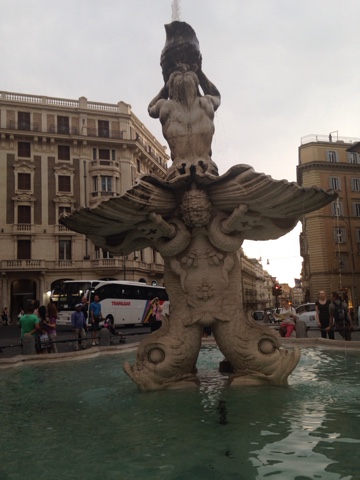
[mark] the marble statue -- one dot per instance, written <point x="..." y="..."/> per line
<point x="198" y="221"/>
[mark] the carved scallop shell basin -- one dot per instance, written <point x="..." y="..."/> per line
<point x="85" y="419"/>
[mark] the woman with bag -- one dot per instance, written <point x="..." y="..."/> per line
<point x="156" y="316"/>
<point x="49" y="325"/>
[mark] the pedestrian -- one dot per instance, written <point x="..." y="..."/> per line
<point x="95" y="318"/>
<point x="29" y="323"/>
<point x="4" y="317"/>
<point x="340" y="316"/>
<point x="156" y="315"/>
<point x="288" y="317"/>
<point x="322" y="315"/>
<point x="78" y="324"/>
<point x="49" y="326"/>
<point x="85" y="307"/>
<point x="21" y="312"/>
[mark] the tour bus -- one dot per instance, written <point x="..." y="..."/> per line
<point x="129" y="303"/>
<point x="71" y="293"/>
<point x="122" y="302"/>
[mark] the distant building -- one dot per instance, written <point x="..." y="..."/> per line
<point x="330" y="238"/>
<point x="57" y="155"/>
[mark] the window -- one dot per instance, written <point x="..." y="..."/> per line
<point x="64" y="249"/>
<point x="103" y="128"/>
<point x="357" y="235"/>
<point x="106" y="184"/>
<point x="24" y="120"/>
<point x="62" y="124"/>
<point x="341" y="263"/>
<point x="356" y="209"/>
<point x="104" y="154"/>
<point x="64" y="184"/>
<point x="335" y="183"/>
<point x="24" y="249"/>
<point x="63" y="152"/>
<point x="332" y="156"/>
<point x="337" y="208"/>
<point x="355" y="184"/>
<point x="353" y="158"/>
<point x="138" y="165"/>
<point x="107" y="254"/>
<point x="24" y="214"/>
<point x="64" y="210"/>
<point x="24" y="149"/>
<point x="24" y="181"/>
<point x="339" y="234"/>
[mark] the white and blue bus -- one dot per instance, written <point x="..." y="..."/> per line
<point x="122" y="302"/>
<point x="129" y="303"/>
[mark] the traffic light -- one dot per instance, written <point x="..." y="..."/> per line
<point x="276" y="290"/>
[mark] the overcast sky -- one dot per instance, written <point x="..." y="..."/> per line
<point x="285" y="69"/>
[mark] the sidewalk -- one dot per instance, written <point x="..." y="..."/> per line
<point x="10" y="339"/>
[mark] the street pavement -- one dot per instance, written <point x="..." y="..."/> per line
<point x="10" y="337"/>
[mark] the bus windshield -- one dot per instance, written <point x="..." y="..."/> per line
<point x="73" y="291"/>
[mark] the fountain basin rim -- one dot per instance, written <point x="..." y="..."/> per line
<point x="92" y="352"/>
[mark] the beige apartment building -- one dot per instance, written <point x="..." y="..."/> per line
<point x="57" y="155"/>
<point x="330" y="238"/>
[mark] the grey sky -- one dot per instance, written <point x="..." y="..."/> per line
<point x="285" y="69"/>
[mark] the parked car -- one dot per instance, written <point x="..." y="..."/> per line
<point x="306" y="313"/>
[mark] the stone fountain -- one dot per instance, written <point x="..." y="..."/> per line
<point x="198" y="221"/>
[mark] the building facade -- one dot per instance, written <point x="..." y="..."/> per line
<point x="330" y="238"/>
<point x="57" y="155"/>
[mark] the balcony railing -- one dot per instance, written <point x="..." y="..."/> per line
<point x="22" y="227"/>
<point x="327" y="138"/>
<point x="104" y="194"/>
<point x="63" y="130"/>
<point x="25" y="126"/>
<point x="22" y="264"/>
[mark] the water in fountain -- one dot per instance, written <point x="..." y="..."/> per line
<point x="88" y="421"/>
<point x="175" y="10"/>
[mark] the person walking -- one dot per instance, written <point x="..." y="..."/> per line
<point x="4" y="317"/>
<point x="95" y="318"/>
<point x="78" y="324"/>
<point x="322" y="315"/>
<point x="340" y="316"/>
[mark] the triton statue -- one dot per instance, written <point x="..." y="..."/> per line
<point x="198" y="221"/>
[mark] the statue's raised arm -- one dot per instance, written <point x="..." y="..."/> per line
<point x="209" y="89"/>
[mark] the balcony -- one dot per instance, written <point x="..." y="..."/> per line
<point x="104" y="194"/>
<point x="63" y="130"/>
<point x="94" y="132"/>
<point x="23" y="264"/>
<point x="104" y="163"/>
<point x="24" y="126"/>
<point x="62" y="229"/>
<point x="23" y="228"/>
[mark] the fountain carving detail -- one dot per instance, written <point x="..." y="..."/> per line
<point x="198" y="221"/>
